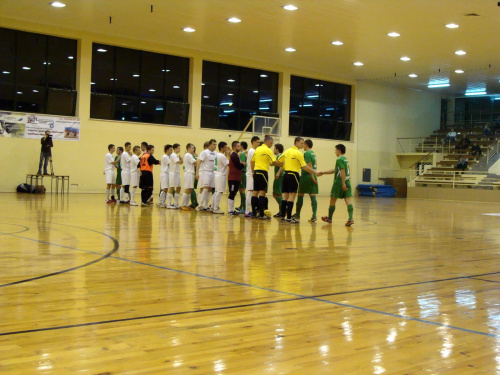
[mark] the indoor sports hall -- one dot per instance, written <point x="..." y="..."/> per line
<point x="93" y="286"/>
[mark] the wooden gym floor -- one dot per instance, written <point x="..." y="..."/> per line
<point x="85" y="287"/>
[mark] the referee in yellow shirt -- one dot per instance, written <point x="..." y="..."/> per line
<point x="293" y="161"/>
<point x="262" y="159"/>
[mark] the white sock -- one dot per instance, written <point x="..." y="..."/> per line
<point x="176" y="198"/>
<point x="230" y="205"/>
<point x="248" y="202"/>
<point x="122" y="193"/>
<point x="216" y="200"/>
<point x="204" y="198"/>
<point x="169" y="199"/>
<point x="107" y="194"/>
<point x="183" y="200"/>
<point x="162" y="197"/>
<point x="132" y="193"/>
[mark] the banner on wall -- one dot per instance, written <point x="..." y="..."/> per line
<point x="25" y="125"/>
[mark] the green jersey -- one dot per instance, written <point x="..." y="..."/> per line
<point x="243" y="157"/>
<point x="276" y="169"/>
<point x="119" y="165"/>
<point x="309" y="157"/>
<point x="342" y="163"/>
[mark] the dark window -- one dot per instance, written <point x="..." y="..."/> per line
<point x="37" y="73"/>
<point x="139" y="86"/>
<point x="320" y="109"/>
<point x="231" y="95"/>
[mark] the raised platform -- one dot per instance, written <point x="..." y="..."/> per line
<point x="462" y="195"/>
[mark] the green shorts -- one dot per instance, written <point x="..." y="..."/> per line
<point x="277" y="184"/>
<point x="119" y="177"/>
<point x="338" y="192"/>
<point x="307" y="186"/>
<point x="243" y="184"/>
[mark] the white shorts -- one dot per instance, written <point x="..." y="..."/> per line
<point x="125" y="178"/>
<point x="174" y="180"/>
<point x="249" y="183"/>
<point x="110" y="176"/>
<point x="220" y="183"/>
<point x="164" y="181"/>
<point x="134" y="179"/>
<point x="206" y="180"/>
<point x="189" y="180"/>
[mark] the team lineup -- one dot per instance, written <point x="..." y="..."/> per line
<point x="242" y="168"/>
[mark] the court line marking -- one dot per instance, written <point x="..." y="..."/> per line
<point x="490" y="281"/>
<point x="25" y="229"/>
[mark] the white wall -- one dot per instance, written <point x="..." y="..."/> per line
<point x="385" y="113"/>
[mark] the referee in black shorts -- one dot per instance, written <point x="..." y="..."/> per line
<point x="262" y="159"/>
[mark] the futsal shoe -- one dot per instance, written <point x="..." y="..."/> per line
<point x="312" y="220"/>
<point x="184" y="208"/>
<point x="295" y="216"/>
<point x="349" y="223"/>
<point x="249" y="215"/>
<point x="326" y="219"/>
<point x="218" y="212"/>
<point x="201" y="209"/>
<point x="171" y="207"/>
<point x="109" y="201"/>
<point x="144" y="204"/>
<point x="132" y="203"/>
<point x="293" y="221"/>
<point x="278" y="215"/>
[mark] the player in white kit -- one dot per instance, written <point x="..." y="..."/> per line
<point x="255" y="142"/>
<point x="189" y="175"/>
<point x="174" y="177"/>
<point x="221" y="170"/>
<point x="125" y="164"/>
<point x="135" y="172"/>
<point x="165" y="163"/>
<point x="205" y="174"/>
<point x="109" y="173"/>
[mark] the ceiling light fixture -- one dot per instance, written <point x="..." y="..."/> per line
<point x="452" y="26"/>
<point x="460" y="52"/>
<point x="58" y="4"/>
<point x="393" y="34"/>
<point x="263" y="75"/>
<point x="290" y="49"/>
<point x="152" y="90"/>
<point x="188" y="30"/>
<point x="102" y="50"/>
<point x="412" y="75"/>
<point x="337" y="43"/>
<point x="135" y="75"/>
<point x="234" y="20"/>
<point x="358" y="63"/>
<point x="70" y="57"/>
<point x="290" y="7"/>
<point x="26" y="68"/>
<point x="176" y="87"/>
<point x="436" y="85"/>
<point x="405" y="58"/>
<point x="92" y="83"/>
<point x="459" y="71"/>
<point x="475" y="93"/>
<point x="5" y="72"/>
<point x="143" y="102"/>
<point x="19" y="92"/>
<point x="35" y="90"/>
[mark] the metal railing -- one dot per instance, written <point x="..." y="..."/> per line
<point x="419" y="168"/>
<point x="453" y="177"/>
<point x="493" y="151"/>
<point x="476" y="117"/>
<point x="423" y="144"/>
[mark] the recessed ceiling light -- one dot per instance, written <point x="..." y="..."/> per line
<point x="290" y="7"/>
<point x="189" y="30"/>
<point x="460" y="52"/>
<point x="92" y="83"/>
<point x="405" y="58"/>
<point x="143" y="102"/>
<point x="358" y="63"/>
<point x="124" y="103"/>
<point x="435" y="85"/>
<point x="26" y="68"/>
<point x="202" y="84"/>
<point x="231" y="80"/>
<point x="135" y="75"/>
<point x="113" y="79"/>
<point x="58" y="4"/>
<point x="475" y="93"/>
<point x="290" y="49"/>
<point x="35" y="90"/>
<point x="337" y="43"/>
<point x="70" y="57"/>
<point x="256" y="92"/>
<point x="165" y="70"/>
<point x="176" y="87"/>
<point x="452" y="26"/>
<point x="394" y="34"/>
<point x="413" y="75"/>
<point x="102" y="50"/>
<point x="5" y="72"/>
<point x="152" y="90"/>
<point x="234" y="20"/>
<point x="46" y="63"/>
<point x="19" y="92"/>
<point x="459" y="71"/>
<point x="230" y="94"/>
<point x="263" y="75"/>
<point x="206" y="97"/>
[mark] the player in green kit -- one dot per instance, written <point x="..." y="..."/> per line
<point x="341" y="185"/>
<point x="243" y="184"/>
<point x="308" y="183"/>
<point x="278" y="178"/>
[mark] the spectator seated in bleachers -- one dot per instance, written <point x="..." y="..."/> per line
<point x="451" y="137"/>
<point x="463" y="144"/>
<point x="462" y="164"/>
<point x="476" y="150"/>
<point x="488" y="129"/>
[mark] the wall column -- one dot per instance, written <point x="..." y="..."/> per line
<point x="84" y="75"/>
<point x="284" y="102"/>
<point x="195" y="80"/>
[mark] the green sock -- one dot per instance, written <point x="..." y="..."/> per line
<point x="331" y="210"/>
<point x="279" y="200"/>
<point x="314" y="205"/>
<point x="194" y="199"/>
<point x="350" y="209"/>
<point x="300" y="202"/>
<point x="243" y="198"/>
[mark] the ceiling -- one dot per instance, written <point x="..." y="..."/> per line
<point x="267" y="29"/>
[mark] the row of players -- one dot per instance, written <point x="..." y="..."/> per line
<point x="214" y="170"/>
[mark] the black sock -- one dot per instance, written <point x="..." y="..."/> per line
<point x="283" y="208"/>
<point x="289" y="208"/>
<point x="255" y="205"/>
<point x="266" y="203"/>
<point x="143" y="196"/>
<point x="262" y="205"/>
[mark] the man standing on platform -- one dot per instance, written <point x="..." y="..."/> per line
<point x="45" y="153"/>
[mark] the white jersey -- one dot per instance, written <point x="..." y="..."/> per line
<point x="107" y="162"/>
<point x="189" y="162"/>
<point x="249" y="159"/>
<point x="174" y="167"/>
<point x="207" y="158"/>
<point x="125" y="162"/>
<point x="221" y="164"/>
<point x="165" y="161"/>
<point x="134" y="163"/>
